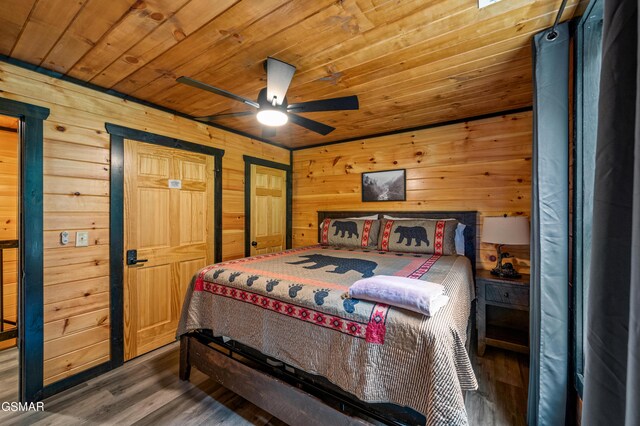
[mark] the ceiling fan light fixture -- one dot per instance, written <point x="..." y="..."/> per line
<point x="272" y="117"/>
<point x="273" y="109"/>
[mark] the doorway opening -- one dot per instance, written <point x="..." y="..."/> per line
<point x="9" y="257"/>
<point x="268" y="188"/>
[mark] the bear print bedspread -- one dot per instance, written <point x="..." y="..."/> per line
<point x="290" y="306"/>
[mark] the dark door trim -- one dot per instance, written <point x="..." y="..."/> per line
<point x="116" y="221"/>
<point x="248" y="161"/>
<point x="31" y="303"/>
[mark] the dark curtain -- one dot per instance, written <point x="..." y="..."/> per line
<point x="549" y="287"/>
<point x="612" y="352"/>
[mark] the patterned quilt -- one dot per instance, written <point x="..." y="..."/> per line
<point x="290" y="306"/>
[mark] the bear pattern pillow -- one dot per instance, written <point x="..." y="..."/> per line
<point x="430" y="236"/>
<point x="350" y="232"/>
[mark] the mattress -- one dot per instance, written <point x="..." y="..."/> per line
<point x="290" y="306"/>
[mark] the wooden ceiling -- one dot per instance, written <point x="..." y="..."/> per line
<point x="411" y="62"/>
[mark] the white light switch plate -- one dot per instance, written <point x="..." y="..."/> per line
<point x="82" y="239"/>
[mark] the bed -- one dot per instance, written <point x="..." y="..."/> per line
<point x="278" y="330"/>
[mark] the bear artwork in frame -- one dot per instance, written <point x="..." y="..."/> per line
<point x="388" y="185"/>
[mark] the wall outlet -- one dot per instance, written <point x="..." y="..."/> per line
<point x="82" y="239"/>
<point x="64" y="238"/>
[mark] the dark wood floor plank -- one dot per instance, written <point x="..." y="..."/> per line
<point x="501" y="398"/>
<point x="9" y="374"/>
<point x="147" y="391"/>
<point x="192" y="407"/>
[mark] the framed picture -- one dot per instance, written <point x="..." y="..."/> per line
<point x="389" y="185"/>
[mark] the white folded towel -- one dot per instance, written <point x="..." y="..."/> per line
<point x="415" y="295"/>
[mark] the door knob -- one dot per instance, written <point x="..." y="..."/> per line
<point x="254" y="243"/>
<point x="132" y="257"/>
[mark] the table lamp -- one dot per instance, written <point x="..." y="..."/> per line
<point x="505" y="230"/>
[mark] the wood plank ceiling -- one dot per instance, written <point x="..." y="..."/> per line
<point x="411" y="62"/>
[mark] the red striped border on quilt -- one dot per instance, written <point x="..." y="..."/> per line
<point x="377" y="326"/>
<point x="373" y="331"/>
<point x="424" y="268"/>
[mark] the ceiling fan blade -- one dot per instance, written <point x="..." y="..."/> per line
<point x="333" y="104"/>
<point x="268" y="132"/>
<point x="204" y="86"/>
<point x="314" y="126"/>
<point x="279" y="75"/>
<point x="227" y="115"/>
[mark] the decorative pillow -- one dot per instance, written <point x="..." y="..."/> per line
<point x="431" y="236"/>
<point x="350" y="232"/>
<point x="384" y="216"/>
<point x="369" y="217"/>
<point x="459" y="240"/>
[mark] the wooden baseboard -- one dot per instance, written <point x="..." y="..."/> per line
<point x="275" y="396"/>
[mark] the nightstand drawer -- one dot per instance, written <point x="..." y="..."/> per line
<point x="507" y="294"/>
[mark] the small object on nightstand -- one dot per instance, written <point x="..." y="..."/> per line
<point x="505" y="230"/>
<point x="502" y="312"/>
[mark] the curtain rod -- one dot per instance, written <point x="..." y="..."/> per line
<point x="553" y="34"/>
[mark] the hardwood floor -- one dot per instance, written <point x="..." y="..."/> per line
<point x="501" y="398"/>
<point x="147" y="391"/>
<point x="9" y="374"/>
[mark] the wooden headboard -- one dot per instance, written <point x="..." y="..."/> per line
<point x="469" y="218"/>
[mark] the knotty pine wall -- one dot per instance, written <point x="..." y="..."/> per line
<point x="8" y="222"/>
<point x="76" y="160"/>
<point x="482" y="165"/>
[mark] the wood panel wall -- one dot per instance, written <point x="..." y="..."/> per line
<point x="8" y="224"/>
<point x="76" y="187"/>
<point x="483" y="165"/>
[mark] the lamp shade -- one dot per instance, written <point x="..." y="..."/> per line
<point x="511" y="230"/>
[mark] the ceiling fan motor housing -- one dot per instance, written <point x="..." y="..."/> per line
<point x="265" y="103"/>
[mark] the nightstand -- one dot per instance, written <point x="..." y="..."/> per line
<point x="502" y="312"/>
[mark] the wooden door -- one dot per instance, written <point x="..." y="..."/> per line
<point x="268" y="209"/>
<point x="168" y="219"/>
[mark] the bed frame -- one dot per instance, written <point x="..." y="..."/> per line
<point x="293" y="396"/>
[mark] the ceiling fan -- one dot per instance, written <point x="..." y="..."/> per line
<point x="273" y="110"/>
